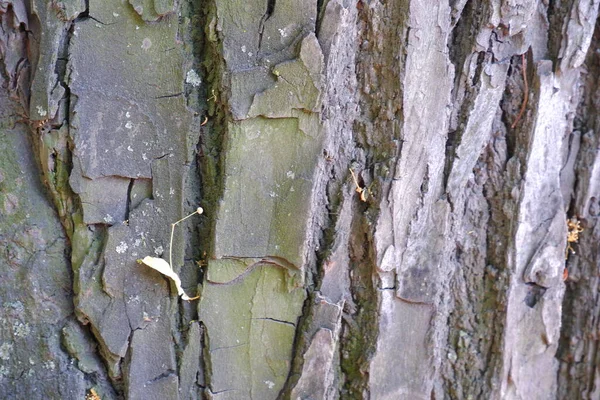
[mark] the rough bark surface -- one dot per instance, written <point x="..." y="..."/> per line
<point x="391" y="191"/>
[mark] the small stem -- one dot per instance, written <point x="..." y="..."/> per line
<point x="358" y="188"/>
<point x="171" y="246"/>
<point x="198" y="211"/>
<point x="364" y="192"/>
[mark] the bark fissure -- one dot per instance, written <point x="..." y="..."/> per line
<point x="53" y="148"/>
<point x="263" y="20"/>
<point x="578" y="351"/>
<point x="128" y="206"/>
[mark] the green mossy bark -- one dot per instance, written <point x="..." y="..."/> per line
<point x="254" y="292"/>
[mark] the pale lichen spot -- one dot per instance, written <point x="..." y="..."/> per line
<point x="270" y="384"/>
<point x="291" y="174"/>
<point x="122" y="248"/>
<point x="243" y="49"/>
<point x="159" y="250"/>
<point x="108" y="219"/>
<point x="128" y="114"/>
<point x="41" y="111"/>
<point x="193" y="78"/>
<point x="5" y="351"/>
<point x="21" y="330"/>
<point x="129" y="148"/>
<point x="115" y="14"/>
<point x="146" y="43"/>
<point x="129" y="125"/>
<point x="144" y="157"/>
<point x="49" y="365"/>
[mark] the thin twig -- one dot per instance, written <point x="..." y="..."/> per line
<point x="360" y="190"/>
<point x="526" y="94"/>
<point x="198" y="211"/>
<point x="213" y="97"/>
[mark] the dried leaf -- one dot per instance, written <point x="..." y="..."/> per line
<point x="164" y="268"/>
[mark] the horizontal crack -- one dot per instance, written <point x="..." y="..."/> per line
<point x="267" y="260"/>
<point x="228" y="347"/>
<point x="223" y="391"/>
<point x="165" y="374"/>
<point x="277" y="320"/>
<point x="167" y="96"/>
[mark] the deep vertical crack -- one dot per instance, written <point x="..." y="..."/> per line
<point x="321" y="6"/>
<point x="205" y="181"/>
<point x="263" y="20"/>
<point x="128" y="205"/>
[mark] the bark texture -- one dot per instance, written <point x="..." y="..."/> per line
<point x="390" y="190"/>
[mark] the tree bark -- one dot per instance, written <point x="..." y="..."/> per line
<point x="391" y="195"/>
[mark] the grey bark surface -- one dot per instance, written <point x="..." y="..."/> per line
<point x="386" y="189"/>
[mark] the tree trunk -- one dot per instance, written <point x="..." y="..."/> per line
<point x="390" y="189"/>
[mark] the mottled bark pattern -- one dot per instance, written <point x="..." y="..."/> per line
<point x="386" y="187"/>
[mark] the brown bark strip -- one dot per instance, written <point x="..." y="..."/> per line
<point x="526" y="91"/>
